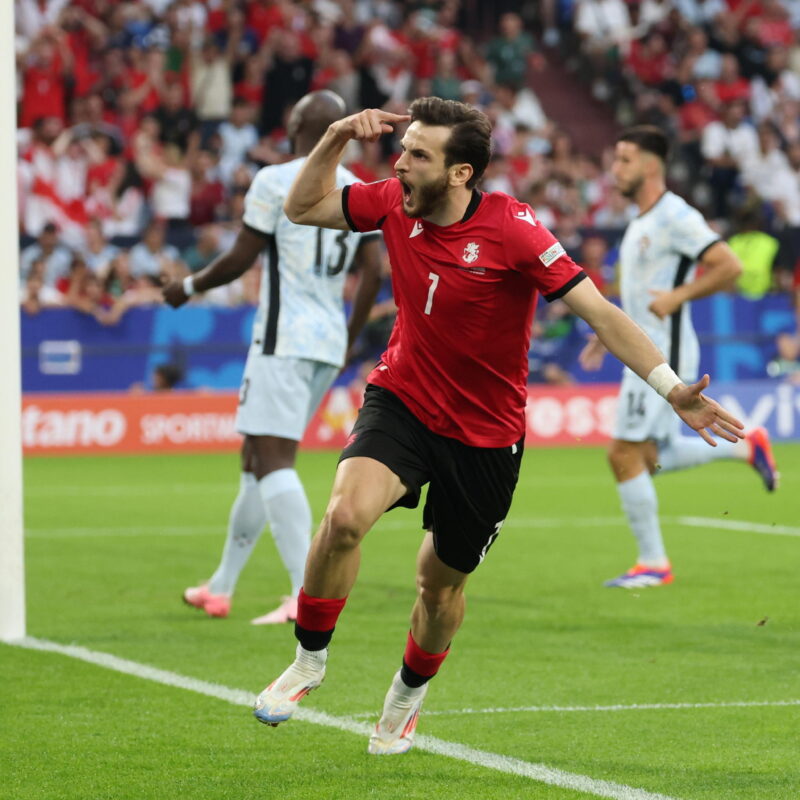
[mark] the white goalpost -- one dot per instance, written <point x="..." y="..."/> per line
<point x="12" y="572"/>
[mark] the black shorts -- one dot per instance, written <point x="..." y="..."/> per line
<point x="470" y="487"/>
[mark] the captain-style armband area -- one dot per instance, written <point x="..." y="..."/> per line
<point x="188" y="287"/>
<point x="663" y="379"/>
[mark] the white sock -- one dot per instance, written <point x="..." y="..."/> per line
<point x="246" y="522"/>
<point x="640" y="504"/>
<point x="289" y="517"/>
<point x="681" y="452"/>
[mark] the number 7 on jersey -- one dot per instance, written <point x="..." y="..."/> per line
<point x="434" y="279"/>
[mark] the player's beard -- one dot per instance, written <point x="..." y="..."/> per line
<point x="631" y="189"/>
<point x="428" y="197"/>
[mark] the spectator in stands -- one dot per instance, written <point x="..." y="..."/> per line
<point x="97" y="252"/>
<point x="47" y="67"/>
<point x="35" y="294"/>
<point x="649" y="60"/>
<point x="730" y="84"/>
<point x="727" y="145"/>
<point x="756" y="250"/>
<point x="166" y="377"/>
<point x="287" y="79"/>
<point x="56" y="257"/>
<point x="152" y="256"/>
<point x="511" y="53"/>
<point x="777" y="82"/>
<point x="83" y="290"/>
<point x="238" y="136"/>
<point x="554" y="346"/>
<point x="706" y="63"/>
<point x="251" y="85"/>
<point x="616" y="213"/>
<point x="604" y="27"/>
<point x="768" y="174"/>
<point x="446" y="81"/>
<point x="207" y="191"/>
<point x="177" y="122"/>
<point x="171" y="187"/>
<point x="118" y="278"/>
<point x="212" y="84"/>
<point x="203" y="251"/>
<point x="594" y="251"/>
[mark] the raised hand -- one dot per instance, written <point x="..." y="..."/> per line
<point x="368" y="125"/>
<point x="704" y="415"/>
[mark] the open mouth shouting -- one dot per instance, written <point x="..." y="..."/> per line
<point x="408" y="192"/>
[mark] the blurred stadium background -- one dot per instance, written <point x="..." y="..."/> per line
<point x="142" y="123"/>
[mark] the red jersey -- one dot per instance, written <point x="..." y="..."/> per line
<point x="465" y="294"/>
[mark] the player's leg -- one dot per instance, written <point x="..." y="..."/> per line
<point x="362" y="491"/>
<point x="468" y="500"/>
<point x="682" y="452"/>
<point x="379" y="469"/>
<point x="642" y="419"/>
<point x="245" y="524"/>
<point x="435" y="618"/>
<point x="288" y="512"/>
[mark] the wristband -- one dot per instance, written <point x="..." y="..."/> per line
<point x="663" y="379"/>
<point x="188" y="288"/>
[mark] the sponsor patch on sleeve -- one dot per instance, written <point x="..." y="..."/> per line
<point x="552" y="253"/>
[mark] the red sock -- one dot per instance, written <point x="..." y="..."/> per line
<point x="421" y="662"/>
<point x="318" y="613"/>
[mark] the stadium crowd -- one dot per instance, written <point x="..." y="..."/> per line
<point x="142" y="122"/>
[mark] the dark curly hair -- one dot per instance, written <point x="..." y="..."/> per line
<point x="470" y="139"/>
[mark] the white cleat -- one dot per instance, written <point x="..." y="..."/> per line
<point x="279" y="700"/>
<point x="394" y="733"/>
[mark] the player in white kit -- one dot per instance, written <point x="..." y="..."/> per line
<point x="659" y="258"/>
<point x="298" y="346"/>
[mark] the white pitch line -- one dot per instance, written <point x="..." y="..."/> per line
<point x="389" y="523"/>
<point x="738" y="525"/>
<point x="540" y="773"/>
<point x="126" y="530"/>
<point x="631" y="707"/>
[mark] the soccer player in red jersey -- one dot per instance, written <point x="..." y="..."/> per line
<point x="446" y="404"/>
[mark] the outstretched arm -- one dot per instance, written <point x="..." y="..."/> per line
<point x="314" y="198"/>
<point x="223" y="269"/>
<point x="629" y="343"/>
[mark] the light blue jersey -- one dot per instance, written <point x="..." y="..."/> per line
<point x="659" y="251"/>
<point x="301" y="311"/>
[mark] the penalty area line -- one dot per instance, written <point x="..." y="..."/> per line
<point x="540" y="773"/>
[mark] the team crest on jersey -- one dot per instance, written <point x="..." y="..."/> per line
<point x="644" y="243"/>
<point x="471" y="252"/>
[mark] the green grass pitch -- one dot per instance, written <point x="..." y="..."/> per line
<point x="112" y="542"/>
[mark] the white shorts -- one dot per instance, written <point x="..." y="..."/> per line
<point x="278" y="396"/>
<point x="642" y="414"/>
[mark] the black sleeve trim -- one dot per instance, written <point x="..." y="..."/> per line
<point x="381" y="221"/>
<point x="257" y="232"/>
<point x="571" y="283"/>
<point x="706" y="249"/>
<point x="345" y="208"/>
<point x="373" y="236"/>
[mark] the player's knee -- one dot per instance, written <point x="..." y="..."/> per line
<point x="437" y="600"/>
<point x="344" y="527"/>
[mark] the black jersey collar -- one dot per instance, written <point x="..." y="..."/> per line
<point x="474" y="202"/>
